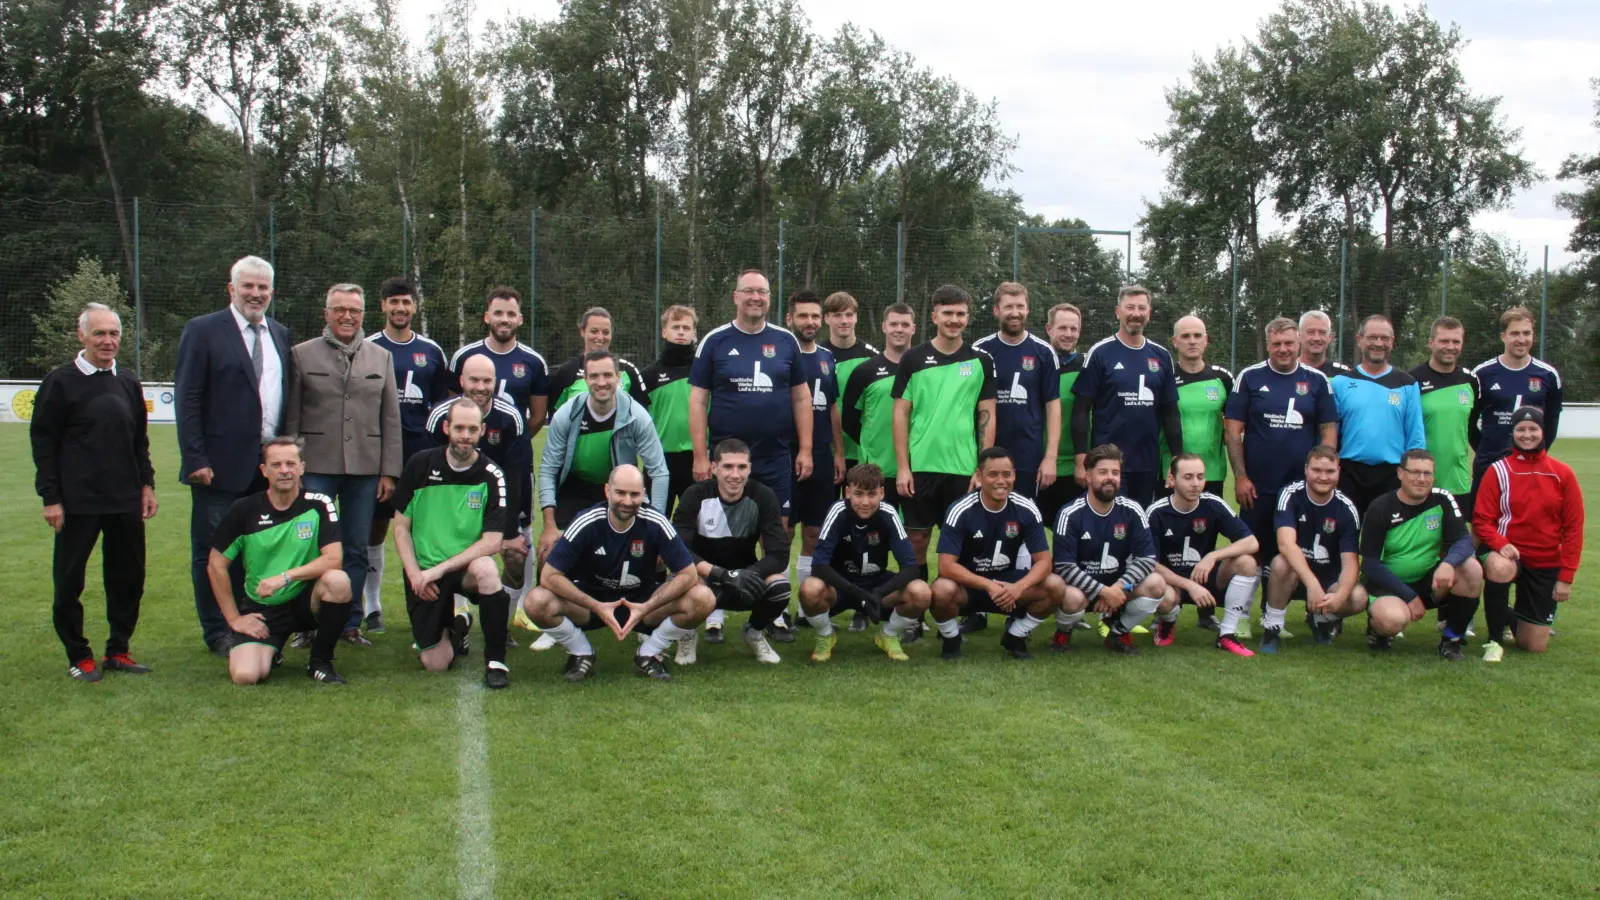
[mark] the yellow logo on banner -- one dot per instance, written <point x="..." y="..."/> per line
<point x="22" y="404"/>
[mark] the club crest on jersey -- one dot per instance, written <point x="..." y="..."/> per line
<point x="492" y="435"/>
<point x="1028" y="363"/>
<point x="636" y="548"/>
<point x="965" y="369"/>
<point x="1200" y="526"/>
<point x="303" y="530"/>
<point x="824" y="366"/>
<point x="1119" y="531"/>
<point x="475" y="498"/>
<point x="420" y="360"/>
<point x="1328" y="525"/>
<point x="1394" y="398"/>
<point x="1464" y="396"/>
<point x="769" y="350"/>
<point x="1012" y="529"/>
<point x="1153" y="363"/>
<point x="1302" y="387"/>
<point x="874" y="538"/>
<point x="1535" y="385"/>
<point x="1432" y="520"/>
<point x="519" y="370"/>
<point x="1213" y="394"/>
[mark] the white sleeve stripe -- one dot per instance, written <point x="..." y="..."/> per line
<point x="959" y="507"/>
<point x="832" y="516"/>
<point x="1286" y="493"/>
<point x="583" y="521"/>
<point x="651" y="515"/>
<point x="894" y="516"/>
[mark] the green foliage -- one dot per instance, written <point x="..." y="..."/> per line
<point x="57" y="321"/>
<point x="1584" y="205"/>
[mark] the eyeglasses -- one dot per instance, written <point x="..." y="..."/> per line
<point x="754" y="292"/>
<point x="1418" y="473"/>
<point x="345" y="312"/>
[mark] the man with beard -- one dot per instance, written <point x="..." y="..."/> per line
<point x="1510" y="381"/>
<point x="1380" y="417"/>
<point x="1450" y="408"/>
<point x="422" y="379"/>
<point x="1185" y="527"/>
<point x="1202" y="391"/>
<point x="812" y="498"/>
<point x="666" y="382"/>
<point x="1316" y="333"/>
<point x="1106" y="556"/>
<point x="448" y="525"/>
<point x="594" y="330"/>
<point x="602" y="572"/>
<point x="839" y="314"/>
<point x="1318" y="534"/>
<point x="1129" y="389"/>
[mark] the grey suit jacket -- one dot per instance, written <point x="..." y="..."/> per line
<point x="344" y="409"/>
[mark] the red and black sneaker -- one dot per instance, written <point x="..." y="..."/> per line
<point x="1231" y="644"/>
<point x="1062" y="642"/>
<point x="84" y="670"/>
<point x="1164" y="633"/>
<point x="1121" y="644"/>
<point x="122" y="662"/>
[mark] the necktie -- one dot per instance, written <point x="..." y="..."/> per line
<point x="256" y="358"/>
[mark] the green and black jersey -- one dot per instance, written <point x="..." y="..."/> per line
<point x="567" y="382"/>
<point x="271" y="541"/>
<point x="666" y="383"/>
<point x="449" y="508"/>
<point x="944" y="391"/>
<point x="1201" y="396"/>
<point x="1450" y="404"/>
<point x="845" y="361"/>
<point x="1071" y="366"/>
<point x="867" y="412"/>
<point x="591" y="457"/>
<point x="1409" y="541"/>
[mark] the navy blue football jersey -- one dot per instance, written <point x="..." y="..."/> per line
<point x="595" y="556"/>
<point x="860" y="548"/>
<point x="1322" y="530"/>
<point x="824" y="382"/>
<point x="1184" y="538"/>
<point x="520" y="372"/>
<point x="1283" y="414"/>
<point x="1128" y="388"/>
<point x="749" y="377"/>
<point x="993" y="545"/>
<point x="1504" y="389"/>
<point x="501" y="440"/>
<point x="421" y="378"/>
<point x="1025" y="380"/>
<point x="1101" y="545"/>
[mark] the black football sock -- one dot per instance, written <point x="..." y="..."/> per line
<point x="493" y="612"/>
<point x="1496" y="608"/>
<point x="1458" y="616"/>
<point x="330" y="624"/>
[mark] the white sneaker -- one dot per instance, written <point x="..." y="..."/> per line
<point x="1493" y="652"/>
<point x="757" y="642"/>
<point x="545" y="642"/>
<point x="688" y="649"/>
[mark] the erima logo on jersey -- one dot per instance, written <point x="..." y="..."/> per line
<point x="433" y="475"/>
<point x="265" y="520"/>
<point x="1394" y="519"/>
<point x="929" y="361"/>
<point x="883" y="370"/>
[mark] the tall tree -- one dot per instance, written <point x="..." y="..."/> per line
<point x="1584" y="205"/>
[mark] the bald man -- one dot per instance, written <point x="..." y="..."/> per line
<point x="602" y="572"/>
<point x="1202" y="390"/>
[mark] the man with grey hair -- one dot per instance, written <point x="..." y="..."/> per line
<point x="232" y="375"/>
<point x="1316" y="333"/>
<point x="91" y="452"/>
<point x="343" y="406"/>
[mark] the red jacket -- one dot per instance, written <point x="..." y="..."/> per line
<point x="1532" y="501"/>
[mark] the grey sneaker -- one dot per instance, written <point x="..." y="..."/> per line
<point x="374" y="623"/>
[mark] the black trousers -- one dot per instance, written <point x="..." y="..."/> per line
<point x="122" y="564"/>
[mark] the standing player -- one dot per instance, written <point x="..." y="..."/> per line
<point x="867" y="407"/>
<point x="750" y="375"/>
<point x="1107" y="557"/>
<point x="1027" y="397"/>
<point x="727" y="517"/>
<point x="1450" y="398"/>
<point x="839" y="313"/>
<point x="1129" y="390"/>
<point x="1416" y="552"/>
<point x="1202" y="391"/>
<point x="1507" y="383"/>
<point x="811" y="498"/>
<point x="944" y="401"/>
<point x="1064" y="325"/>
<point x="594" y="329"/>
<point x="1317" y="537"/>
<point x="1380" y="417"/>
<point x="666" y="381"/>
<point x="1279" y="409"/>
<point x="981" y="543"/>
<point x="1185" y="527"/>
<point x="449" y="522"/>
<point x="851" y="568"/>
<point x="284" y="537"/>
<point x="1316" y="333"/>
<point x="423" y="380"/>
<point x="1530" y="520"/>
<point x="603" y="573"/>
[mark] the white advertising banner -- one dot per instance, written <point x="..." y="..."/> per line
<point x="16" y="402"/>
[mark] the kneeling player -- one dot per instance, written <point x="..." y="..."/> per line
<point x="1106" y="556"/>
<point x="284" y="537"/>
<point x="981" y="542"/>
<point x="850" y="569"/>
<point x="1317" y="532"/>
<point x="603" y="572"/>
<point x="448" y="523"/>
<point x="1417" y="555"/>
<point x="1185" y="528"/>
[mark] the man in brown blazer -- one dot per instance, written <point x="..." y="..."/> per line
<point x="343" y="406"/>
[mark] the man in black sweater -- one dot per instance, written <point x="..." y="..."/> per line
<point x="91" y="447"/>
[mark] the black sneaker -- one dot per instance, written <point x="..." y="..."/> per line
<point x="1271" y="638"/>
<point x="974" y="623"/>
<point x="496" y="677"/>
<point x="780" y="631"/>
<point x="1321" y="632"/>
<point x="122" y="662"/>
<point x="913" y="634"/>
<point x="1121" y="644"/>
<point x="85" y="670"/>
<point x="1451" y="650"/>
<point x="859" y="622"/>
<point x="653" y="667"/>
<point x="951" y="649"/>
<point x="321" y="670"/>
<point x="1208" y="622"/>
<point x="277" y="659"/>
<point x="1376" y="641"/>
<point x="578" y="667"/>
<point x="713" y="634"/>
<point x="1014" y="646"/>
<point x="460" y="627"/>
<point x="800" y="621"/>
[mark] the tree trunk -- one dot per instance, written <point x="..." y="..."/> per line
<point x="116" y="191"/>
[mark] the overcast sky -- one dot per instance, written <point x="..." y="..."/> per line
<point x="1080" y="84"/>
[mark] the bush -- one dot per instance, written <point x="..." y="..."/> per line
<point x="58" y="322"/>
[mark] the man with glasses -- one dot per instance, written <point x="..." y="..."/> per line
<point x="1416" y="552"/>
<point x="1380" y="417"/>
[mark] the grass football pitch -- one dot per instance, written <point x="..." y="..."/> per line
<point x="1321" y="772"/>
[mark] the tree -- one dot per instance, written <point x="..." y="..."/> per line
<point x="66" y="300"/>
<point x="1584" y="205"/>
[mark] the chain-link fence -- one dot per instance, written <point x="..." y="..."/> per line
<point x="172" y="263"/>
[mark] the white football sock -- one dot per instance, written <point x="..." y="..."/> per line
<point x="1170" y="616"/>
<point x="897" y="625"/>
<point x="1237" y="598"/>
<point x="802" y="570"/>
<point x="1066" y="621"/>
<point x="372" y="592"/>
<point x="822" y="622"/>
<point x="949" y="628"/>
<point x="1136" y="610"/>
<point x="1023" y="626"/>
<point x="715" y="619"/>
<point x="571" y="637"/>
<point x="664" y="636"/>
<point x="1272" y="618"/>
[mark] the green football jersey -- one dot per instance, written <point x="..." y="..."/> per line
<point x="1071" y="367"/>
<point x="867" y="411"/>
<point x="1450" y="404"/>
<point x="944" y="391"/>
<point x="1411" y="540"/>
<point x="666" y="384"/>
<point x="271" y="541"/>
<point x="567" y="382"/>
<point x="449" y="508"/>
<point x="845" y="361"/>
<point x="591" y="458"/>
<point x="1201" y="396"/>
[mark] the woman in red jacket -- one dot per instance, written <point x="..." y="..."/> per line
<point x="1529" y="519"/>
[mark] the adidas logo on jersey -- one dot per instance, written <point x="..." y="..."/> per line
<point x="1495" y="386"/>
<point x="734" y="352"/>
<point x="1085" y="536"/>
<point x="1116" y="367"/>
<point x="600" y="551"/>
<point x="1169" y="533"/>
<point x="978" y="534"/>
<point x="1263" y="390"/>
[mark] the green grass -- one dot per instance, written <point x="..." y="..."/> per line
<point x="1322" y="772"/>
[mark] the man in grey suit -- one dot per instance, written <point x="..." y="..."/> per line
<point x="343" y="406"/>
<point x="232" y="376"/>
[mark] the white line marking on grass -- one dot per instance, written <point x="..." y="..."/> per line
<point x="475" y="861"/>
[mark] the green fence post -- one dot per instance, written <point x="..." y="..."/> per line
<point x="533" y="275"/>
<point x="1127" y="264"/>
<point x="138" y="299"/>
<point x="1344" y="255"/>
<point x="1016" y="253"/>
<point x="405" y="246"/>
<point x="272" y="250"/>
<point x="899" y="262"/>
<point x="658" y="286"/>
<point x="780" y="270"/>
<point x="1544" y="297"/>
<point x="1233" y="353"/>
<point x="1444" y="289"/>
